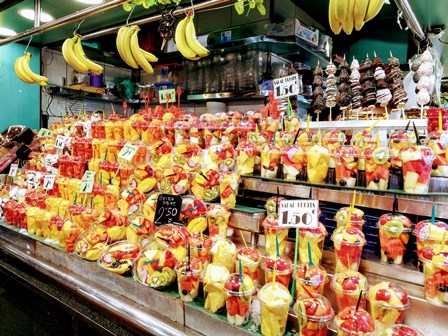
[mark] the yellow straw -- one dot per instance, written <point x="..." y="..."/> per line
<point x="244" y="240"/>
<point x="113" y="110"/>
<point x="319" y="134"/>
<point x="440" y="121"/>
<point x="442" y="245"/>
<point x="274" y="275"/>
<point x="353" y="200"/>
<point x="349" y="217"/>
<point x="360" y="200"/>
<point x="215" y="262"/>
<point x="308" y="123"/>
<point x="378" y="141"/>
<point x="374" y="124"/>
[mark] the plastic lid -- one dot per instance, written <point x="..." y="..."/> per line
<point x="359" y="315"/>
<point x="283" y="264"/>
<point x="242" y="254"/>
<point x="277" y="295"/>
<point x="311" y="275"/>
<point x="425" y="230"/>
<point x="352" y="235"/>
<point x="372" y="293"/>
<point x="234" y="278"/>
<point x="349" y="279"/>
<point x="401" y="330"/>
<point x="323" y="305"/>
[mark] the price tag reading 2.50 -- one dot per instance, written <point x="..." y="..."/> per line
<point x="168" y="209"/>
<point x="299" y="214"/>
<point x="286" y="86"/>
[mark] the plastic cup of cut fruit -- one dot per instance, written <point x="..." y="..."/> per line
<point x="283" y="267"/>
<point x="228" y="189"/>
<point x="357" y="217"/>
<point x="294" y="162"/>
<point x="354" y="321"/>
<point x="318" y="158"/>
<point x="438" y="142"/>
<point x="200" y="246"/>
<point x="245" y="157"/>
<point x="347" y="287"/>
<point x="401" y="139"/>
<point x="435" y="268"/>
<point x="401" y="330"/>
<point x="377" y="163"/>
<point x="394" y="236"/>
<point x="188" y="281"/>
<point x="428" y="234"/>
<point x="270" y="160"/>
<point x="348" y="245"/>
<point x="213" y="279"/>
<point x="315" y="238"/>
<point x="218" y="216"/>
<point x="275" y="300"/>
<point x="223" y="253"/>
<point x="272" y="204"/>
<point x="347" y="158"/>
<point x="239" y="297"/>
<point x="313" y="314"/>
<point x="250" y="262"/>
<point x="310" y="279"/>
<point x="417" y="165"/>
<point x="272" y="233"/>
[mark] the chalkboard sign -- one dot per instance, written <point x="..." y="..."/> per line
<point x="168" y="209"/>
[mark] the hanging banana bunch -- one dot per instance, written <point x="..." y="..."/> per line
<point x="24" y="72"/>
<point x="74" y="55"/>
<point x="186" y="40"/>
<point x="130" y="51"/>
<point x="348" y="14"/>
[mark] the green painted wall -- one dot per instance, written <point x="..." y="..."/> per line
<point x="19" y="102"/>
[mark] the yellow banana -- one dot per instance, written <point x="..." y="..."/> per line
<point x="341" y="10"/>
<point x="181" y="42"/>
<point x="125" y="41"/>
<point x="118" y="42"/>
<point x="335" y="25"/>
<point x="138" y="54"/>
<point x="373" y="9"/>
<point x="81" y="56"/>
<point x="27" y="70"/>
<point x="70" y="57"/>
<point x="149" y="57"/>
<point x="192" y="40"/>
<point x="347" y="25"/>
<point x="18" y="68"/>
<point x="359" y="13"/>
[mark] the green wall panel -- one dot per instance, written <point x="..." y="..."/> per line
<point x="19" y="102"/>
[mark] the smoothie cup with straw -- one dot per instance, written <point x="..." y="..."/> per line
<point x="239" y="289"/>
<point x="352" y="321"/>
<point x="313" y="313"/>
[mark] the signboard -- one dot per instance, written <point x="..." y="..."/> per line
<point x="49" y="182"/>
<point x="299" y="214"/>
<point x="163" y="94"/>
<point x="87" y="182"/>
<point x="168" y="209"/>
<point x="13" y="169"/>
<point x="286" y="86"/>
<point x="127" y="152"/>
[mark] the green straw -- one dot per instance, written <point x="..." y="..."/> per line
<point x="310" y="256"/>
<point x="277" y="247"/>
<point x="76" y="198"/>
<point x="296" y="249"/>
<point x="433" y="214"/>
<point x="273" y="139"/>
<point x="11" y="180"/>
<point x="105" y="155"/>
<point x="101" y="177"/>
<point x="289" y="110"/>
<point x="241" y="271"/>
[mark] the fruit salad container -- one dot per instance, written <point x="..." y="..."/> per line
<point x="318" y="158"/>
<point x="118" y="257"/>
<point x="239" y="297"/>
<point x="313" y="315"/>
<point x="352" y="322"/>
<point x="173" y="237"/>
<point x="348" y="244"/>
<point x="200" y="246"/>
<point x="347" y="287"/>
<point x="140" y="230"/>
<point x="223" y="253"/>
<point x="311" y="279"/>
<point x="188" y="155"/>
<point x="228" y="189"/>
<point x="193" y="214"/>
<point x="377" y="163"/>
<point x="150" y="206"/>
<point x="250" y="259"/>
<point x="347" y="159"/>
<point x="401" y="139"/>
<point x="282" y="266"/>
<point x="364" y="139"/>
<point x="270" y="160"/>
<point x="218" y="216"/>
<point x="294" y="163"/>
<point x="357" y="217"/>
<point x="388" y="302"/>
<point x="417" y="165"/>
<point x="229" y="132"/>
<point x="307" y="139"/>
<point x="394" y="236"/>
<point x="272" y="204"/>
<point x="181" y="134"/>
<point x="91" y="244"/>
<point x="316" y="239"/>
<point x="332" y="140"/>
<point x="438" y="142"/>
<point x="213" y="280"/>
<point x="245" y="157"/>
<point x="168" y="131"/>
<point x="428" y="234"/>
<point x="188" y="279"/>
<point x="174" y="181"/>
<point x="401" y="330"/>
<point x="222" y="156"/>
<point x="275" y="300"/>
<point x="212" y="133"/>
<point x="160" y="153"/>
<point x="273" y="232"/>
<point x="435" y="267"/>
<point x="269" y="126"/>
<point x="205" y="184"/>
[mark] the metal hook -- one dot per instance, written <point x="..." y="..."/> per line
<point x="29" y="42"/>
<point x="129" y="17"/>
<point x="192" y="7"/>
<point x="77" y="28"/>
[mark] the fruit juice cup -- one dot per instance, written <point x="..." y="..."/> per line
<point x="275" y="300"/>
<point x="429" y="234"/>
<point x="347" y="287"/>
<point x="188" y="155"/>
<point x="212" y="133"/>
<point x="205" y="184"/>
<point x="168" y="132"/>
<point x="270" y="160"/>
<point x="417" y="164"/>
<point x="188" y="282"/>
<point x="193" y="214"/>
<point x="223" y="253"/>
<point x="218" y="216"/>
<point x="228" y="189"/>
<point x="140" y="230"/>
<point x="317" y="164"/>
<point x="92" y="243"/>
<point x="332" y="140"/>
<point x="352" y="322"/>
<point x="175" y="181"/>
<point x="239" y="297"/>
<point x="250" y="262"/>
<point x="401" y="330"/>
<point x="313" y="314"/>
<point x="294" y="162"/>
<point x="388" y="303"/>
<point x="160" y="153"/>
<point x="435" y="268"/>
<point x="348" y="244"/>
<point x="181" y="131"/>
<point x="271" y="231"/>
<point x="272" y="204"/>
<point x="118" y="257"/>
<point x="310" y="279"/>
<point x="213" y="280"/>
<point x="347" y="159"/>
<point x="399" y="140"/>
<point x="394" y="236"/>
<point x="357" y="217"/>
<point x="377" y="163"/>
<point x="316" y="239"/>
<point x="245" y="157"/>
<point x="200" y="246"/>
<point x="283" y="267"/>
<point x="438" y="142"/>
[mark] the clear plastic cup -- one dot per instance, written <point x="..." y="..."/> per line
<point x="310" y="278"/>
<point x="351" y="322"/>
<point x="435" y="268"/>
<point x="429" y="234"/>
<point x="332" y="140"/>
<point x="401" y="330"/>
<point x="245" y="157"/>
<point x="394" y="236"/>
<point x="228" y="189"/>
<point x="347" y="159"/>
<point x="118" y="257"/>
<point x="218" y="216"/>
<point x="438" y="142"/>
<point x="294" y="162"/>
<point x="188" y="283"/>
<point x="377" y="163"/>
<point x="272" y="232"/>
<point x="357" y="217"/>
<point x="417" y="165"/>
<point x="313" y="315"/>
<point x="270" y="160"/>
<point x="283" y="267"/>
<point x="92" y="243"/>
<point x="318" y="158"/>
<point x="316" y="239"/>
<point x="347" y="287"/>
<point x="250" y="262"/>
<point x="213" y="280"/>
<point x="200" y="246"/>
<point x="239" y="297"/>
<point x="348" y="244"/>
<point x="223" y="253"/>
<point x="275" y="301"/>
<point x="401" y="139"/>
<point x="272" y="204"/>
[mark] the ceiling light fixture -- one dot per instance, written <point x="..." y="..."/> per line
<point x="29" y="14"/>
<point x="7" y="32"/>
<point x="91" y="2"/>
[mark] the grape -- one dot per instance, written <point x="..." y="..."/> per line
<point x="252" y="4"/>
<point x="138" y="2"/>
<point x="261" y="9"/>
<point x="127" y="6"/>
<point x="259" y="1"/>
<point x="239" y="7"/>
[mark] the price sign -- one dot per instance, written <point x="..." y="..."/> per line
<point x="44" y="133"/>
<point x="60" y="141"/>
<point x="299" y="214"/>
<point x="168" y="209"/>
<point x="127" y="152"/>
<point x="87" y="182"/>
<point x="49" y="182"/>
<point x="286" y="86"/>
<point x="13" y="169"/>
<point x="163" y="96"/>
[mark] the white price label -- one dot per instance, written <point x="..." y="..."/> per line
<point x="286" y="86"/>
<point x="60" y="141"/>
<point x="87" y="182"/>
<point x="49" y="182"/>
<point x="299" y="214"/>
<point x="163" y="96"/>
<point x="127" y="152"/>
<point x="13" y="170"/>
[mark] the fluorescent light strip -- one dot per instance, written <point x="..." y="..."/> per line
<point x="7" y="32"/>
<point x="29" y="14"/>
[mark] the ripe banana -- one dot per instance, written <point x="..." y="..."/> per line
<point x="335" y="25"/>
<point x="70" y="57"/>
<point x="359" y="13"/>
<point x="341" y="10"/>
<point x="80" y="55"/>
<point x="181" y="42"/>
<point x="18" y="68"/>
<point x="149" y="57"/>
<point x="192" y="40"/>
<point x="138" y="54"/>
<point x="124" y="46"/>
<point x="347" y="25"/>
<point x="24" y="72"/>
<point x="373" y="9"/>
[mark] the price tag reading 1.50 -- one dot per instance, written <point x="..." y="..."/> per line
<point x="127" y="152"/>
<point x="286" y="86"/>
<point x="299" y="214"/>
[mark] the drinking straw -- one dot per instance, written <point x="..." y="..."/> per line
<point x="113" y="110"/>
<point x="241" y="270"/>
<point x="289" y="110"/>
<point x="274" y="275"/>
<point x="440" y="248"/>
<point x="310" y="256"/>
<point x="373" y="125"/>
<point x="273" y="139"/>
<point x="277" y="247"/>
<point x="179" y="93"/>
<point x="244" y="240"/>
<point x="76" y="198"/>
<point x="359" y="300"/>
<point x="188" y="256"/>
<point x="395" y="205"/>
<point x="101" y="178"/>
<point x="276" y="201"/>
<point x="308" y="292"/>
<point x="118" y="169"/>
<point x="319" y="134"/>
<point x="407" y="126"/>
<point x="433" y="214"/>
<point x="440" y="121"/>
<point x="296" y="248"/>
<point x="416" y="133"/>
<point x="295" y="138"/>
<point x="283" y="124"/>
<point x="308" y="120"/>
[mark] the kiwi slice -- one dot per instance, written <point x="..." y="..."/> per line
<point x="301" y="313"/>
<point x="178" y="159"/>
<point x="393" y="228"/>
<point x="380" y="155"/>
<point x="229" y="162"/>
<point x="169" y="273"/>
<point x="211" y="194"/>
<point x="165" y="185"/>
<point x="158" y="279"/>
